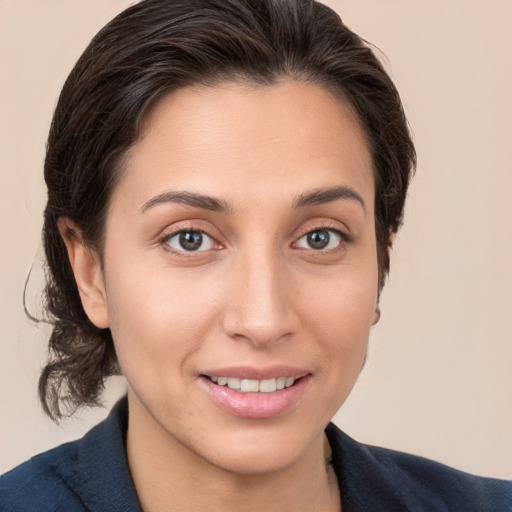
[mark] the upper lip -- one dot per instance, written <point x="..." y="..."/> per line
<point x="251" y="372"/>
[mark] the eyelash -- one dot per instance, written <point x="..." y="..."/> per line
<point x="164" y="241"/>
<point x="344" y="237"/>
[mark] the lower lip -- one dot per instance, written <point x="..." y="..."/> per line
<point x="255" y="405"/>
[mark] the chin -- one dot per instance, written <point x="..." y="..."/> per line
<point x="256" y="460"/>
<point x="260" y="450"/>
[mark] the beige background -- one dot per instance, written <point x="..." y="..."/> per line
<point x="438" y="381"/>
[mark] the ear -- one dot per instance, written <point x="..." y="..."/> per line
<point x="391" y="239"/>
<point x="86" y="265"/>
<point x="376" y="315"/>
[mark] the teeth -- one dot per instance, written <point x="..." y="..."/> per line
<point x="234" y="383"/>
<point x="268" y="385"/>
<point x="249" y="385"/>
<point x="253" y="385"/>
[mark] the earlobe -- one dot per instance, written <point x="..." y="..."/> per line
<point x="376" y="315"/>
<point x="87" y="270"/>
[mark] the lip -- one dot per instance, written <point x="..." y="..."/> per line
<point x="250" y="372"/>
<point x="256" y="406"/>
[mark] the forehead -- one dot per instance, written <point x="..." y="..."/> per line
<point x="241" y="140"/>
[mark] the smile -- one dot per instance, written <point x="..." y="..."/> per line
<point x="253" y="385"/>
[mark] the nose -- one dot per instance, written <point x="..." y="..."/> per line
<point x="262" y="303"/>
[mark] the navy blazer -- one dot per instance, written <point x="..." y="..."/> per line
<point x="92" y="474"/>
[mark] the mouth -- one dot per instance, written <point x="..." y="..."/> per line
<point x="243" y="385"/>
<point x="239" y="393"/>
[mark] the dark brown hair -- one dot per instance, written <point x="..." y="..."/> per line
<point x="155" y="47"/>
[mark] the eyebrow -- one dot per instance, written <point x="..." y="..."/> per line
<point x="186" y="198"/>
<point x="326" y="195"/>
<point x="205" y="202"/>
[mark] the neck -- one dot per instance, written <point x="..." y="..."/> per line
<point x="168" y="476"/>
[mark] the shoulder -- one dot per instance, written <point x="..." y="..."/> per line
<point x="406" y="482"/>
<point x="89" y="474"/>
<point x="40" y="483"/>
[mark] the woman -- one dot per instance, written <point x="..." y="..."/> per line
<point x="224" y="183"/>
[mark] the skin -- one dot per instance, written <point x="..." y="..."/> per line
<point x="255" y="294"/>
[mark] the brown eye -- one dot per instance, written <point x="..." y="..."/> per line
<point x="320" y="239"/>
<point x="190" y="241"/>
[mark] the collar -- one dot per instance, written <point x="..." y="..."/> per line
<point x="100" y="474"/>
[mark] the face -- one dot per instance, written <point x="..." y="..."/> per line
<point x="240" y="270"/>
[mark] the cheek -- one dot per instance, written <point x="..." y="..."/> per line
<point x="343" y="301"/>
<point x="339" y="311"/>
<point x="158" y="317"/>
<point x="343" y="328"/>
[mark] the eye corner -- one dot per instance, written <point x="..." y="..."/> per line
<point x="188" y="242"/>
<point x="322" y="239"/>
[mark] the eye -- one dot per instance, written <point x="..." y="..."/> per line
<point x="190" y="241"/>
<point x="320" y="239"/>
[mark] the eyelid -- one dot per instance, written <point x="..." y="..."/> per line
<point x="327" y="225"/>
<point x="190" y="226"/>
<point x="204" y="235"/>
<point x="336" y="233"/>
